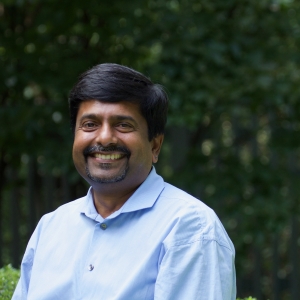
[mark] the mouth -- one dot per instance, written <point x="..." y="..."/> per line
<point x="106" y="164"/>
<point x="111" y="153"/>
<point x="108" y="156"/>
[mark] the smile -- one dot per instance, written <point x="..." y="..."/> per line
<point x="109" y="156"/>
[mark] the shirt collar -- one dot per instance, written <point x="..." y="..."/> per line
<point x="144" y="197"/>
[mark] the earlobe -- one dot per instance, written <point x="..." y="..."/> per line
<point x="156" y="146"/>
<point x="154" y="159"/>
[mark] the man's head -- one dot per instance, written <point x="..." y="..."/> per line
<point x="118" y="118"/>
<point x="116" y="83"/>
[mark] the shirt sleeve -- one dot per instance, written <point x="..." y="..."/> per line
<point x="200" y="270"/>
<point x="21" y="290"/>
<point x="23" y="283"/>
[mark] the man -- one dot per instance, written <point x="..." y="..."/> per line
<point x="133" y="236"/>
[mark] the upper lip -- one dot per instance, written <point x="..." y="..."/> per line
<point x="111" y="150"/>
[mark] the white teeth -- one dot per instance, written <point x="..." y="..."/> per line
<point x="108" y="156"/>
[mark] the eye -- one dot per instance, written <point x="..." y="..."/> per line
<point x="124" y="127"/>
<point x="89" y="125"/>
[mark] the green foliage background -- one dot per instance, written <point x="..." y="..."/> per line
<point x="8" y="280"/>
<point x="231" y="69"/>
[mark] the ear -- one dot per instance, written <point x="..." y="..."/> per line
<point x="156" y="146"/>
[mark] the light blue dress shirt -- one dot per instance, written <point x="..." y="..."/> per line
<point x="162" y="244"/>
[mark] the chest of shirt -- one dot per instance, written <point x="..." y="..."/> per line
<point x="84" y="259"/>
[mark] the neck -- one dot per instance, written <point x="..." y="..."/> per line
<point x="109" y="198"/>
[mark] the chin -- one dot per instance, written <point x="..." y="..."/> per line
<point x="106" y="179"/>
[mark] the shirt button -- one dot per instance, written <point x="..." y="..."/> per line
<point x="103" y="226"/>
<point x="91" y="267"/>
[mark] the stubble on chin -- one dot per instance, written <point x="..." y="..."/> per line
<point x="106" y="166"/>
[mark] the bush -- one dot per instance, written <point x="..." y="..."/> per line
<point x="8" y="280"/>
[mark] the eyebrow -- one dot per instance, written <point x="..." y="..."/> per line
<point x="124" y="118"/>
<point x="115" y="117"/>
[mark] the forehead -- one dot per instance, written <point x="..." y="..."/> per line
<point x="110" y="109"/>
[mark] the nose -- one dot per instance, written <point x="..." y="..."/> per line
<point x="106" y="135"/>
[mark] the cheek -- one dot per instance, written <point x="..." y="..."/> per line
<point x="75" y="155"/>
<point x="80" y="142"/>
<point x="77" y="150"/>
<point x="145" y="151"/>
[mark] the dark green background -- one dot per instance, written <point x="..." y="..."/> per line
<point x="231" y="69"/>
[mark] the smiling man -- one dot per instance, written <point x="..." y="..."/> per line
<point x="112" y="151"/>
<point x="133" y="236"/>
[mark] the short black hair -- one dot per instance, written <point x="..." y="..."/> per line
<point x="115" y="83"/>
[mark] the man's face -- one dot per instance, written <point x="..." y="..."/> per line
<point x="111" y="143"/>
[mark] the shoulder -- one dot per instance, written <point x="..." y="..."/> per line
<point x="62" y="213"/>
<point x="187" y="206"/>
<point x="193" y="220"/>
